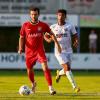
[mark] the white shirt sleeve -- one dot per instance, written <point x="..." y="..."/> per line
<point x="51" y="27"/>
<point x="73" y="30"/>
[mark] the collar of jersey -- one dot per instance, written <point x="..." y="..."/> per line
<point x="61" y="25"/>
<point x="33" y="23"/>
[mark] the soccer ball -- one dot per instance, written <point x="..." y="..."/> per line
<point x="24" y="90"/>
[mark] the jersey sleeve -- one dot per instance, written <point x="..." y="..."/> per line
<point x="22" y="31"/>
<point x="51" y="27"/>
<point x="48" y="29"/>
<point x="73" y="30"/>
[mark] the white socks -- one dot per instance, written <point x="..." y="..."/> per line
<point x="70" y="78"/>
<point x="61" y="72"/>
<point x="51" y="89"/>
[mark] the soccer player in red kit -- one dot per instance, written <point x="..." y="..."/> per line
<point x="32" y="35"/>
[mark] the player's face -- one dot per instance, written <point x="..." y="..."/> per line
<point x="61" y="17"/>
<point x="34" y="15"/>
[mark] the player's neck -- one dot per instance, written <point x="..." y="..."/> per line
<point x="34" y="22"/>
<point x="61" y="23"/>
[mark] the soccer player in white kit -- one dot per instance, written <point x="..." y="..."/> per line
<point x="63" y="31"/>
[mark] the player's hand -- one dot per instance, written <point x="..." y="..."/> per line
<point x="48" y="37"/>
<point x="47" y="34"/>
<point x="20" y="52"/>
<point x="75" y="44"/>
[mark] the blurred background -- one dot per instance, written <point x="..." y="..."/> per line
<point x="84" y="14"/>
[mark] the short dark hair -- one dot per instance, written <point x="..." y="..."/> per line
<point x="32" y="8"/>
<point x="62" y="11"/>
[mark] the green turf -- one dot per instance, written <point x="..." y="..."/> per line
<point x="88" y="81"/>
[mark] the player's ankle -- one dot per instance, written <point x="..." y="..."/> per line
<point x="33" y="83"/>
<point x="51" y="90"/>
<point x="50" y="87"/>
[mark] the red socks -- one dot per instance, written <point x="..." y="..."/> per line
<point x="48" y="77"/>
<point x="31" y="76"/>
<point x="46" y="74"/>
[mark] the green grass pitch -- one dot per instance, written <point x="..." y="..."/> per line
<point x="88" y="81"/>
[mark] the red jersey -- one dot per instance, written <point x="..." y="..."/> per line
<point x="33" y="35"/>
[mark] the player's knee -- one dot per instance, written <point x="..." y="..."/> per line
<point x="29" y="70"/>
<point x="66" y="69"/>
<point x="44" y="66"/>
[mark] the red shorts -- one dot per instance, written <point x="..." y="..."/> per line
<point x="31" y="60"/>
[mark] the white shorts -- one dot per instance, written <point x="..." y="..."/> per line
<point x="64" y="58"/>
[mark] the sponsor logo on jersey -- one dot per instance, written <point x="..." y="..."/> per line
<point x="61" y="35"/>
<point x="66" y="29"/>
<point x="28" y="29"/>
<point x="35" y="35"/>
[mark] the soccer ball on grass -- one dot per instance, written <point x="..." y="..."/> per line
<point x="24" y="90"/>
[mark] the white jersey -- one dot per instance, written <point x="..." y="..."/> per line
<point x="63" y="34"/>
<point x="92" y="38"/>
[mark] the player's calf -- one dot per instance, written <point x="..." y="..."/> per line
<point x="33" y="87"/>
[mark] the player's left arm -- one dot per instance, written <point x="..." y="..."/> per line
<point x="48" y="37"/>
<point x="74" y="36"/>
<point x="75" y="40"/>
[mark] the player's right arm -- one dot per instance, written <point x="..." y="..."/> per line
<point x="21" y="44"/>
<point x="21" y="39"/>
<point x="56" y="42"/>
<point x="49" y="37"/>
<point x="53" y="37"/>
